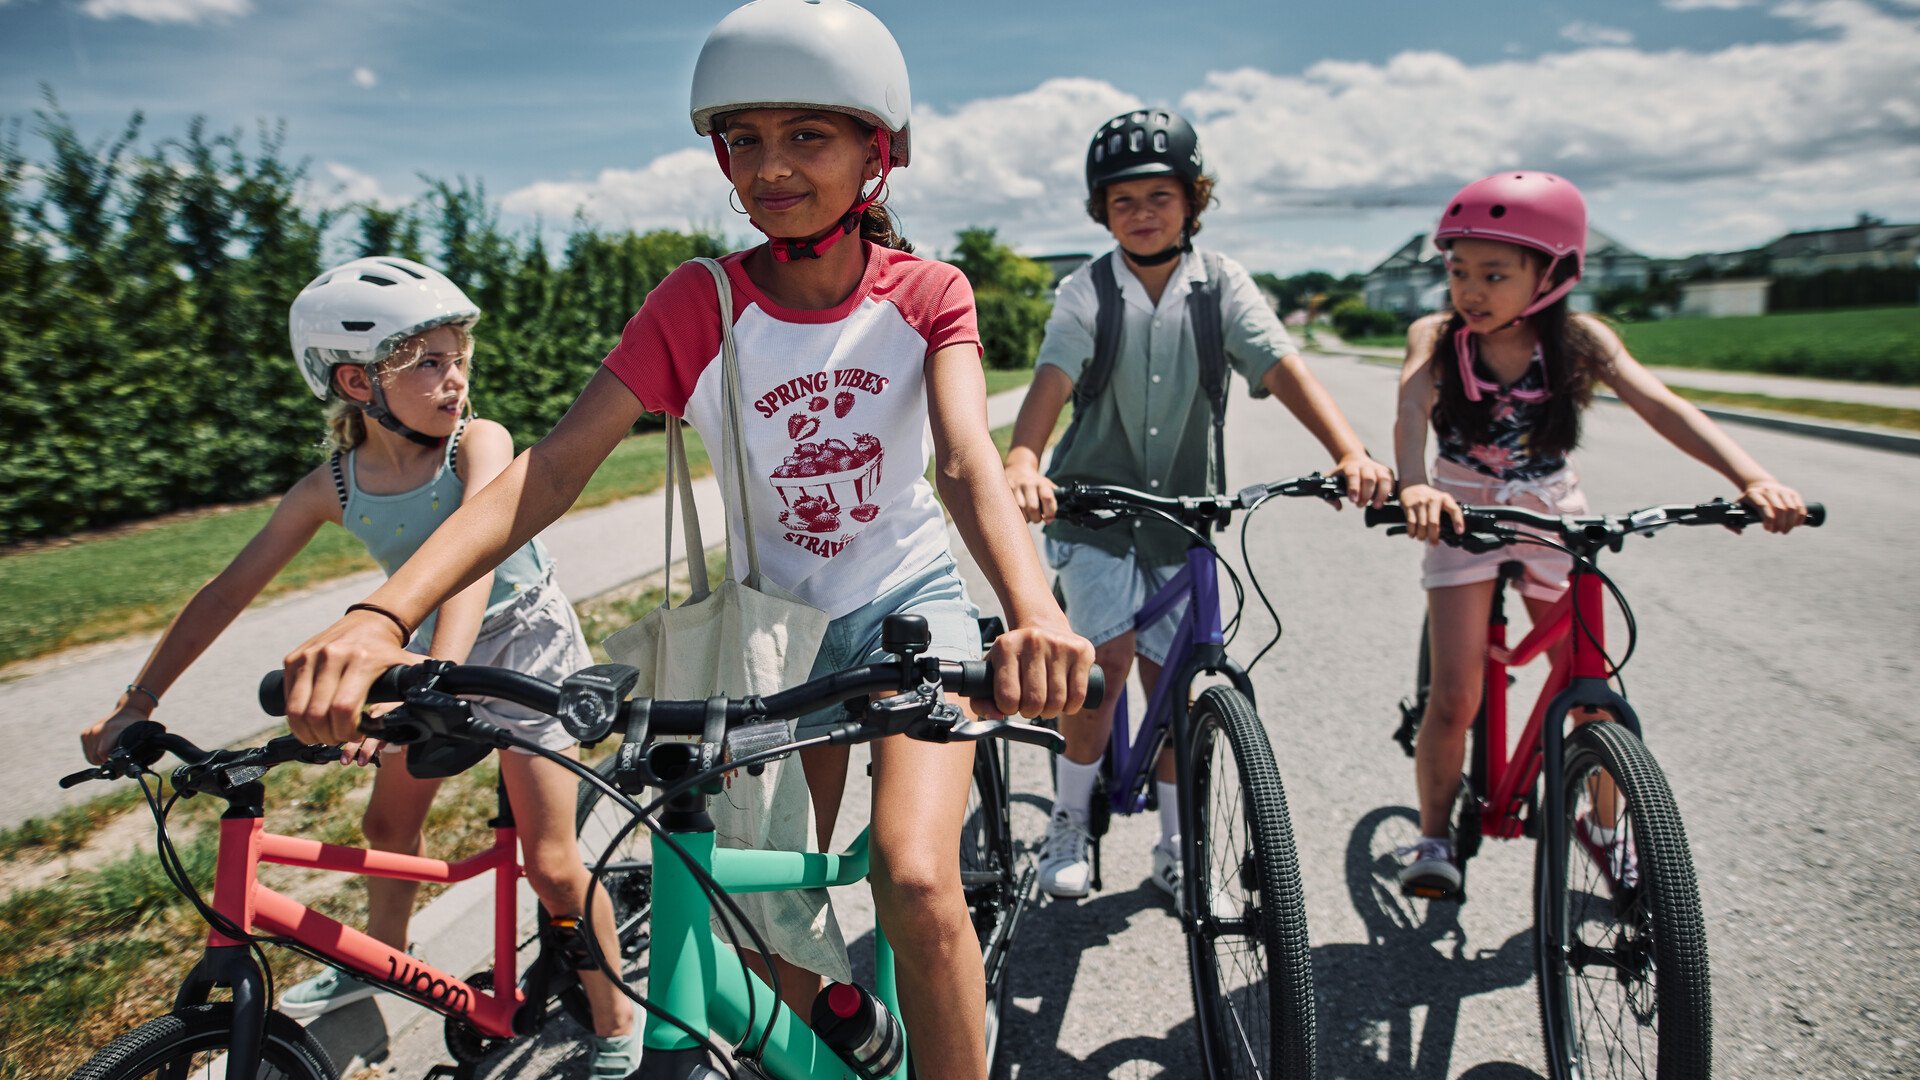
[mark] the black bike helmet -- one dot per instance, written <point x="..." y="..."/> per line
<point x="1145" y="142"/>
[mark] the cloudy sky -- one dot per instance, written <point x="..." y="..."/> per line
<point x="1336" y="129"/>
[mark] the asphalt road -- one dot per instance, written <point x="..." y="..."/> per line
<point x="1770" y="677"/>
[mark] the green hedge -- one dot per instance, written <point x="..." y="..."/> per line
<point x="144" y="362"/>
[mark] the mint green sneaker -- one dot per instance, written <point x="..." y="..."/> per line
<point x="324" y="993"/>
<point x="615" y="1057"/>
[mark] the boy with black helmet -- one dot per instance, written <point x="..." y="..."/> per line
<point x="1149" y="396"/>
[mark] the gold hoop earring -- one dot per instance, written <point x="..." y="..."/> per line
<point x="733" y="201"/>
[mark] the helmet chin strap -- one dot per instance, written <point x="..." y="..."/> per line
<point x="786" y="249"/>
<point x="1463" y="345"/>
<point x="1161" y="258"/>
<point x="377" y="410"/>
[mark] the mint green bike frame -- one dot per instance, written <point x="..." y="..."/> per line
<point x="695" y="975"/>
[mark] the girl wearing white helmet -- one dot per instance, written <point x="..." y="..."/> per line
<point x="851" y="352"/>
<point x="389" y="340"/>
<point x="1503" y="378"/>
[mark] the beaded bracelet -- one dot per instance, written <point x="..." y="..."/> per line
<point x="406" y="632"/>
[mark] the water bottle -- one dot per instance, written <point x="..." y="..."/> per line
<point x="860" y="1029"/>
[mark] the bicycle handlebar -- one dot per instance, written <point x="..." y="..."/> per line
<point x="1102" y="504"/>
<point x="968" y="678"/>
<point x="1492" y="524"/>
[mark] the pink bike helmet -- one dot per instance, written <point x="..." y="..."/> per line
<point x="1533" y="209"/>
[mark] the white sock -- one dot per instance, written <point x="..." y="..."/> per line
<point x="1600" y="833"/>
<point x="1169" y="814"/>
<point x="1075" y="786"/>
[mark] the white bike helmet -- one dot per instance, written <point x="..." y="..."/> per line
<point x="806" y="54"/>
<point x="357" y="312"/>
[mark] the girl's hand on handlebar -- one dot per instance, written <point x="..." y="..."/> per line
<point x="1427" y="507"/>
<point x="1038" y="671"/>
<point x="328" y="676"/>
<point x="367" y="751"/>
<point x="1369" y="483"/>
<point x="98" y="740"/>
<point x="1032" y="492"/>
<point x="1780" y="507"/>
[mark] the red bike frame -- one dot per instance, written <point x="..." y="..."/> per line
<point x="238" y="895"/>
<point x="1510" y="778"/>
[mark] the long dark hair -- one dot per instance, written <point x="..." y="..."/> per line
<point x="877" y="226"/>
<point x="1572" y="355"/>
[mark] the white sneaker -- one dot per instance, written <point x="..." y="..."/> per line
<point x="1065" y="871"/>
<point x="324" y="993"/>
<point x="1431" y="874"/>
<point x="1614" y="856"/>
<point x="1166" y="870"/>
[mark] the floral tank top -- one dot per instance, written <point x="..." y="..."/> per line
<point x="1506" y="453"/>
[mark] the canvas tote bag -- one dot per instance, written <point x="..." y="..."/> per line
<point x="744" y="636"/>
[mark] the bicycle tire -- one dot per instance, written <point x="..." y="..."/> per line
<point x="1650" y="939"/>
<point x="1256" y="1020"/>
<point x="628" y="879"/>
<point x="989" y="876"/>
<point x="176" y="1040"/>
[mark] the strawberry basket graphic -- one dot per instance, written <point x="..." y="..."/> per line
<point x="823" y="482"/>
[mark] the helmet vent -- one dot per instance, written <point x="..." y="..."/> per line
<point x="1497" y="210"/>
<point x="1113" y="144"/>
<point x="1455" y="212"/>
<point x="376" y="279"/>
<point x="356" y="327"/>
<point x="1137" y="140"/>
<point x="1159" y="142"/>
<point x="410" y="273"/>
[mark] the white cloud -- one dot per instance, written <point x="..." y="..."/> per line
<point x="349" y="186"/>
<point x="1799" y="131"/>
<point x="1586" y="33"/>
<point x="1703" y="5"/>
<point x="167" y="11"/>
<point x="365" y="78"/>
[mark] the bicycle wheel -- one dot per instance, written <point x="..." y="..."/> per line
<point x="190" y="1042"/>
<point x="1247" y="934"/>
<point x="628" y="880"/>
<point x="1624" y="988"/>
<point x="997" y="893"/>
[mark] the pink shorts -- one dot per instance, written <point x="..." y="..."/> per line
<point x="1546" y="568"/>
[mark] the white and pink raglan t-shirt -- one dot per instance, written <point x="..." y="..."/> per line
<point x="834" y="414"/>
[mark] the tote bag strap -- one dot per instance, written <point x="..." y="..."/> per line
<point x="680" y="479"/>
<point x="733" y="446"/>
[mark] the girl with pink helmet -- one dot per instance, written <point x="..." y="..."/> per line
<point x="1503" y="379"/>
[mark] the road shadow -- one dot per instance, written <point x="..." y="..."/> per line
<point x="1417" y="956"/>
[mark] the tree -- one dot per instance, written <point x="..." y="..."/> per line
<point x="1011" y="294"/>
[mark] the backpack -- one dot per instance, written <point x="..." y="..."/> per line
<point x="1203" y="314"/>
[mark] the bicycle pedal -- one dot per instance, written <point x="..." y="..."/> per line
<point x="1418" y="891"/>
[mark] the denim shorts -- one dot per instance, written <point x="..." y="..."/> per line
<point x="1104" y="591"/>
<point x="936" y="594"/>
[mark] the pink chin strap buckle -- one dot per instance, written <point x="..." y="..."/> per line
<point x="786" y="250"/>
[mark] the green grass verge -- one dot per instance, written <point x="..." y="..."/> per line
<point x="130" y="580"/>
<point x="1846" y="412"/>
<point x="1864" y="344"/>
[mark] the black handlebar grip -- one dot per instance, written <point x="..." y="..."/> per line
<point x="976" y="681"/>
<point x="392" y="685"/>
<point x="1391" y="514"/>
<point x="273" y="693"/>
<point x="1816" y="514"/>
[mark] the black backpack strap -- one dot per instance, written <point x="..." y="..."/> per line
<point x="1209" y="339"/>
<point x="1106" y="335"/>
<point x="339" y="480"/>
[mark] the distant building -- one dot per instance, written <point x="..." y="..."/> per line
<point x="1868" y="243"/>
<point x="1062" y="265"/>
<point x="1719" y="297"/>
<point x="1412" y="280"/>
